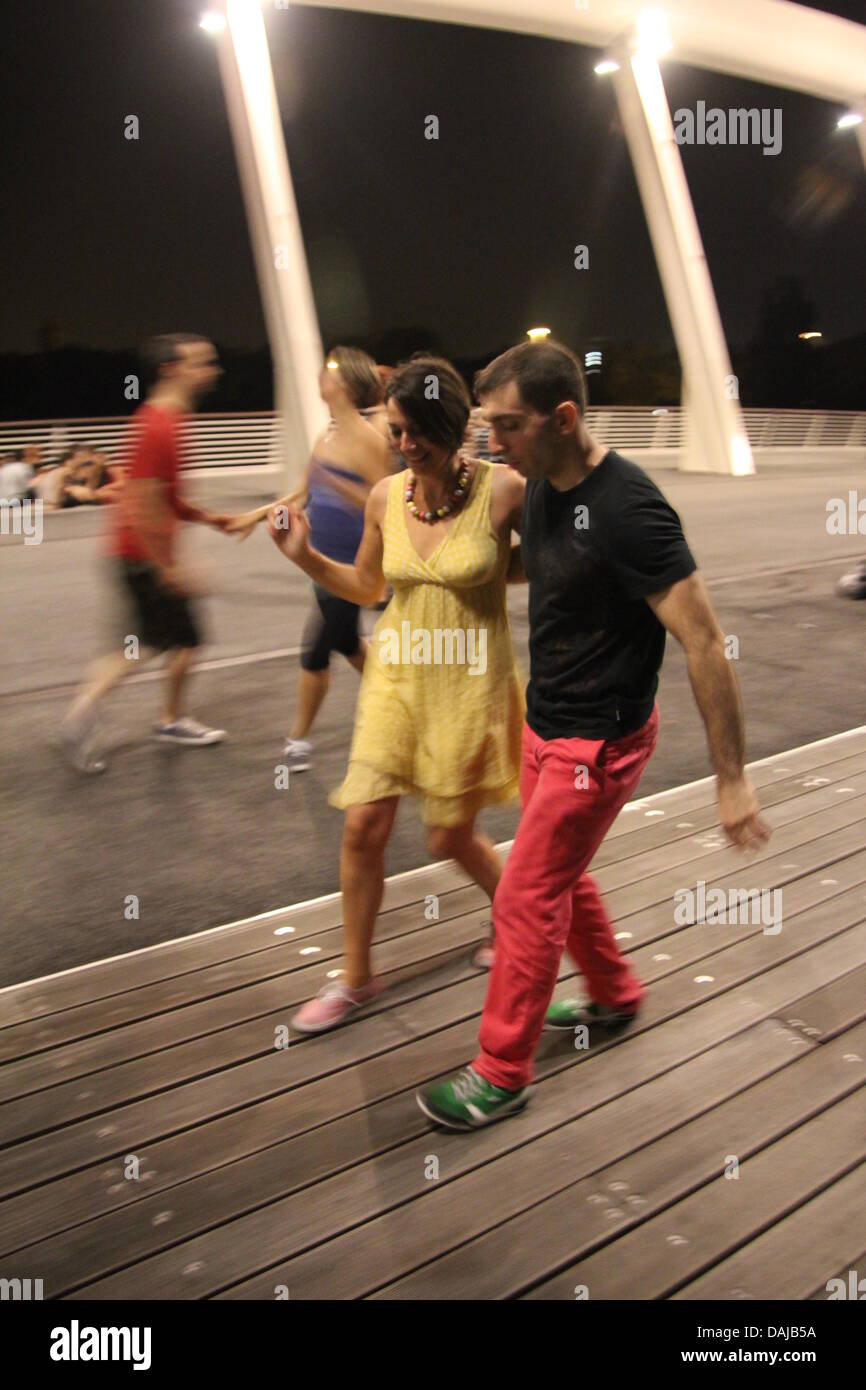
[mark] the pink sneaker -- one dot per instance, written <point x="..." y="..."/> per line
<point x="333" y="1005"/>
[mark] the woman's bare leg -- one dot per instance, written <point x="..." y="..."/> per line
<point x="473" y="851"/>
<point x="312" y="689"/>
<point x="362" y="881"/>
<point x="360" y="655"/>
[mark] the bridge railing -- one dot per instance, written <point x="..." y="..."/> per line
<point x="250" y="439"/>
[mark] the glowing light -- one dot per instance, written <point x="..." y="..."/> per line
<point x="332" y="365"/>
<point x="812" y="333"/>
<point x="652" y="35"/>
<point x="536" y="333"/>
<point x="605" y="66"/>
<point x="212" y="22"/>
<point x="849" y="119"/>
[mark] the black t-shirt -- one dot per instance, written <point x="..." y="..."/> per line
<point x="592" y="554"/>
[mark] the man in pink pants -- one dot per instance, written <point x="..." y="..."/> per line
<point x="610" y="573"/>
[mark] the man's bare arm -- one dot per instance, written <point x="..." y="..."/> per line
<point x="686" y="611"/>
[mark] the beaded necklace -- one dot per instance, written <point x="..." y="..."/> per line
<point x="447" y="507"/>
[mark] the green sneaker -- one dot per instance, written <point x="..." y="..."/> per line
<point x="568" y="1014"/>
<point x="467" y="1101"/>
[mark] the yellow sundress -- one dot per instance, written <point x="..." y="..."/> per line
<point x="440" y="715"/>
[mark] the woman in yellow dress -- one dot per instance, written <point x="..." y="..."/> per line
<point x="441" y="705"/>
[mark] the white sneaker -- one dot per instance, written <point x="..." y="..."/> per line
<point x="73" y="741"/>
<point x="297" y="753"/>
<point x="188" y="731"/>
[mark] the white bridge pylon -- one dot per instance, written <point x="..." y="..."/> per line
<point x="771" y="41"/>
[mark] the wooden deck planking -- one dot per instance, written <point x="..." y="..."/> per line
<point x="89" y="1140"/>
<point x="306" y="1166"/>
<point x="826" y="1233"/>
<point x="239" y="1001"/>
<point x="232" y="1044"/>
<point x="192" y="954"/>
<point x="594" y="1211"/>
<point x="372" y="1186"/>
<point x="666" y="1251"/>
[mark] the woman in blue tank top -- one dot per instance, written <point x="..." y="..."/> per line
<point x="348" y="457"/>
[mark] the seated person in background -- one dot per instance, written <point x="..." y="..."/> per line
<point x="90" y="477"/>
<point x="52" y="480"/>
<point x="16" y="477"/>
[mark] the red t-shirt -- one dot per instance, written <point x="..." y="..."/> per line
<point x="152" y="449"/>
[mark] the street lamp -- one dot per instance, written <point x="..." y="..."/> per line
<point x="652" y="35"/>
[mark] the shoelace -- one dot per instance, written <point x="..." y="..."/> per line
<point x="334" y="988"/>
<point x="467" y="1084"/>
<point x="192" y="725"/>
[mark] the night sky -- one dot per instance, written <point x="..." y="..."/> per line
<point x="471" y="236"/>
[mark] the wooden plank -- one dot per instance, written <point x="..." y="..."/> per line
<point x="35" y="998"/>
<point x="843" y="1272"/>
<point x="790" y="842"/>
<point x="826" y="1013"/>
<point x="682" y="801"/>
<point x="118" y="1084"/>
<point x="656" y="925"/>
<point x="623" y="1190"/>
<point x="652" y="828"/>
<point x="808" y="810"/>
<point x="797" y="1254"/>
<point x="204" y="1265"/>
<point x="670" y="1249"/>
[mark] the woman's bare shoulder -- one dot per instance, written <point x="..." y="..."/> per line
<point x="508" y="489"/>
<point x="378" y="497"/>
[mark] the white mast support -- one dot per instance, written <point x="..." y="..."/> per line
<point x="275" y="230"/>
<point x="773" y="41"/>
<point x="716" y="441"/>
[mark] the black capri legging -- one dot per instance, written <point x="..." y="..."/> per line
<point x="332" y="626"/>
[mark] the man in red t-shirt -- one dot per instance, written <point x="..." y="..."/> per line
<point x="142" y="544"/>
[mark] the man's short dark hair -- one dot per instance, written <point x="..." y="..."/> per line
<point x="164" y="348"/>
<point x="433" y="396"/>
<point x="546" y="374"/>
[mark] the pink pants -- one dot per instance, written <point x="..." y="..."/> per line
<point x="572" y="790"/>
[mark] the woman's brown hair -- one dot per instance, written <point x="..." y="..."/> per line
<point x="359" y="373"/>
<point x="433" y="396"/>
